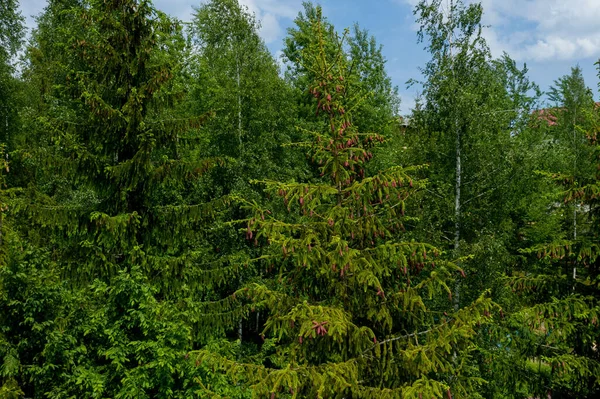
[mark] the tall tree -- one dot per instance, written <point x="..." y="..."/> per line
<point x="573" y="102"/>
<point x="230" y="65"/>
<point x="352" y="309"/>
<point x="548" y="257"/>
<point x="113" y="132"/>
<point x="471" y="108"/>
<point x="553" y="336"/>
<point x="236" y="77"/>
<point x="110" y="208"/>
<point x="11" y="39"/>
<point x="365" y="68"/>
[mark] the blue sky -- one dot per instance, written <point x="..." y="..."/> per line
<point x="550" y="36"/>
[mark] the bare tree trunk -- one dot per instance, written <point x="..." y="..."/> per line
<point x="458" y="181"/>
<point x="239" y="98"/>
<point x="457" y="212"/>
<point x="240" y="325"/>
<point x="575" y="173"/>
<point x="574" y="181"/>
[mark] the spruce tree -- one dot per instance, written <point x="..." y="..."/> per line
<point x="573" y="105"/>
<point x="110" y="208"/>
<point x="366" y="70"/>
<point x="115" y="138"/>
<point x="350" y="309"/>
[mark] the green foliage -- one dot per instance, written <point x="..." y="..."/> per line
<point x="11" y="29"/>
<point x="11" y="39"/>
<point x="467" y="127"/>
<point x="364" y="68"/>
<point x="352" y="308"/>
<point x="120" y="172"/>
<point x="455" y="256"/>
<point x="557" y="279"/>
<point x="111" y="204"/>
<point x="235" y="77"/>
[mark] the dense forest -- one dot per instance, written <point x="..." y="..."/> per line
<point x="183" y="216"/>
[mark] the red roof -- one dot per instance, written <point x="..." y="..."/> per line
<point x="550" y="114"/>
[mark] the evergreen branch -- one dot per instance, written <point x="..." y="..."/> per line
<point x="538" y="281"/>
<point x="193" y="213"/>
<point x="421" y="388"/>
<point x="464" y="318"/>
<point x="182" y="124"/>
<point x="330" y="377"/>
<point x="561" y="315"/>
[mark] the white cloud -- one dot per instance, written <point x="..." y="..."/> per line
<point x="541" y="30"/>
<point x="411" y="3"/>
<point x="283" y="8"/>
<point x="270" y="29"/>
<point x="180" y="9"/>
<point x="270" y="13"/>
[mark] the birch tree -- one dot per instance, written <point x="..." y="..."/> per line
<point x="468" y="113"/>
<point x="235" y="77"/>
<point x="11" y="40"/>
<point x="573" y="102"/>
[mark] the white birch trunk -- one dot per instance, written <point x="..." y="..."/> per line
<point x="239" y="98"/>
<point x="574" y="181"/>
<point x="457" y="211"/>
